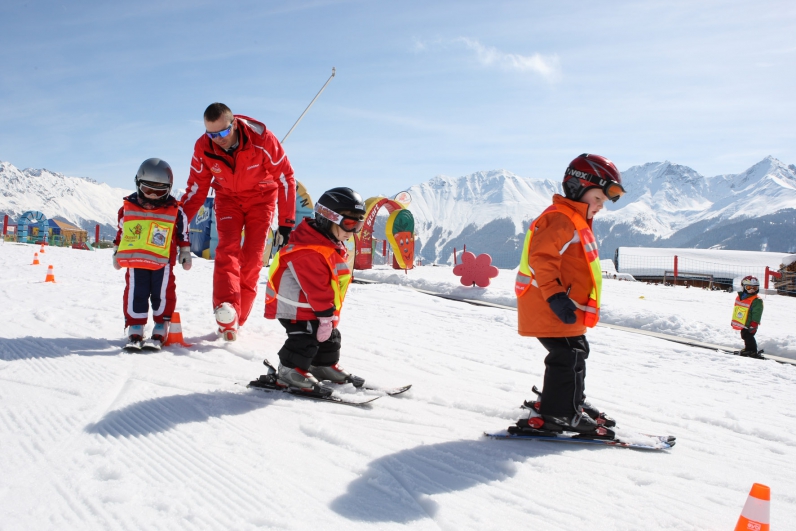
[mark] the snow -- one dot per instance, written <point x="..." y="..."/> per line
<point x="94" y="438"/>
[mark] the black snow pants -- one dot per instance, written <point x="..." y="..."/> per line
<point x="750" y="343"/>
<point x="302" y="348"/>
<point x="564" y="376"/>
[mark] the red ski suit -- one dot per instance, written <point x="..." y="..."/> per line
<point x="303" y="276"/>
<point x="249" y="185"/>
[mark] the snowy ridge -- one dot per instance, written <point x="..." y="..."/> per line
<point x="79" y="200"/>
<point x="666" y="205"/>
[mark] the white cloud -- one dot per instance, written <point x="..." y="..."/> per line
<point x="545" y="66"/>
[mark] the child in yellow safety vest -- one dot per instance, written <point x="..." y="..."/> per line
<point x="558" y="298"/>
<point x="307" y="284"/>
<point x="152" y="235"/>
<point x="747" y="313"/>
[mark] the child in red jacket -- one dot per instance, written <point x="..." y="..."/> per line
<point x="152" y="225"/>
<point x="307" y="283"/>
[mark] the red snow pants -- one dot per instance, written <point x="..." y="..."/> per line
<point x="237" y="268"/>
<point x="143" y="285"/>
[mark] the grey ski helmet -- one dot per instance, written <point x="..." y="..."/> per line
<point x="154" y="180"/>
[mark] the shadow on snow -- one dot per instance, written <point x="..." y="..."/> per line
<point x="165" y="413"/>
<point x="397" y="487"/>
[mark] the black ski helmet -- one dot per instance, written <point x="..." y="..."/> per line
<point x="336" y="201"/>
<point x="154" y="180"/>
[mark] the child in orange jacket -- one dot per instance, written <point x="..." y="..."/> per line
<point x="558" y="289"/>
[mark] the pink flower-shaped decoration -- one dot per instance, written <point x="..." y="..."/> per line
<point x="475" y="269"/>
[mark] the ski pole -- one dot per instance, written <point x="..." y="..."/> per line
<point x="308" y="106"/>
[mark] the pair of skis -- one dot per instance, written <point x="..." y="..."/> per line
<point x="267" y="383"/>
<point x="625" y="439"/>
<point x="144" y="344"/>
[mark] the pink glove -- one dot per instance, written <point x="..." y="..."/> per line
<point x="325" y="328"/>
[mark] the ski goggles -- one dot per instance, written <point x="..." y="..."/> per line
<point x="220" y="134"/>
<point x="347" y="223"/>
<point x="612" y="189"/>
<point x="154" y="190"/>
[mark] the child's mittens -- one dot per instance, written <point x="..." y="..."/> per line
<point x="185" y="258"/>
<point x="753" y="327"/>
<point x="563" y="307"/>
<point x="325" y="327"/>
<point x="116" y="265"/>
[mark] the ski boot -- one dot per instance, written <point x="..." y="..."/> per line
<point x="227" y="320"/>
<point x="159" y="335"/>
<point x="336" y="374"/>
<point x="582" y="424"/>
<point x="300" y="380"/>
<point x="135" y="337"/>
<point x="601" y="418"/>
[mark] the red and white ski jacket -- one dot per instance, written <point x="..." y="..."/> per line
<point x="258" y="167"/>
<point x="303" y="276"/>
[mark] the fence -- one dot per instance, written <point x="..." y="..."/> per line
<point x="680" y="270"/>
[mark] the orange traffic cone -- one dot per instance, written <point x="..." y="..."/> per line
<point x="175" y="332"/>
<point x="42" y="248"/>
<point x="754" y="516"/>
<point x="35" y="259"/>
<point x="50" y="274"/>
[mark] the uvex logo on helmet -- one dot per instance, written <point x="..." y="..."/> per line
<point x="590" y="171"/>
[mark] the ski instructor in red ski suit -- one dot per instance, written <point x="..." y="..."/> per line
<point x="247" y="167"/>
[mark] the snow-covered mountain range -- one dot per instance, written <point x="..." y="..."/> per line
<point x="666" y="205"/>
<point x="79" y="200"/>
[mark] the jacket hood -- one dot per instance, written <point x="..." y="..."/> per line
<point x="306" y="233"/>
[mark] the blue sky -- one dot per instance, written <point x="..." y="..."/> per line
<point x="93" y="88"/>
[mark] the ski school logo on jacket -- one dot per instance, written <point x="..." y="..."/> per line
<point x="215" y="168"/>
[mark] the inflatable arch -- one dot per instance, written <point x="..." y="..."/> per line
<point x="397" y="225"/>
<point x="35" y="218"/>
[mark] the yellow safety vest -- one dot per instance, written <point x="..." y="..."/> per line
<point x="740" y="312"/>
<point x="341" y="275"/>
<point x="146" y="236"/>
<point x="524" y="279"/>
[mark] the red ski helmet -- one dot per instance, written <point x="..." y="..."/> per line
<point x="589" y="171"/>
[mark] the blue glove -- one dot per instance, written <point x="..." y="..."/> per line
<point x="563" y="307"/>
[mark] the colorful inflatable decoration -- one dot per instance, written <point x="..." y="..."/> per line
<point x="304" y="209"/>
<point x="364" y="240"/>
<point x="404" y="198"/>
<point x="401" y="235"/>
<point x="32" y="224"/>
<point x="475" y="270"/>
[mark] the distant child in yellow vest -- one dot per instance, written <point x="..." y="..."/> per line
<point x="747" y="313"/>
<point x="152" y="225"/>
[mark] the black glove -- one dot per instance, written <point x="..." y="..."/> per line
<point x="563" y="307"/>
<point x="282" y="237"/>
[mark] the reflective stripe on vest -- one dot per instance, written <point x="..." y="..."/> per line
<point x="341" y="275"/>
<point x="740" y="312"/>
<point x="524" y="279"/>
<point x="146" y="236"/>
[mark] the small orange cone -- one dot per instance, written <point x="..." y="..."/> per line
<point x="35" y="259"/>
<point x="42" y="249"/>
<point x="755" y="513"/>
<point x="175" y="332"/>
<point x="50" y="274"/>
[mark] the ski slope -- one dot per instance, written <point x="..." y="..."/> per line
<point x="94" y="438"/>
